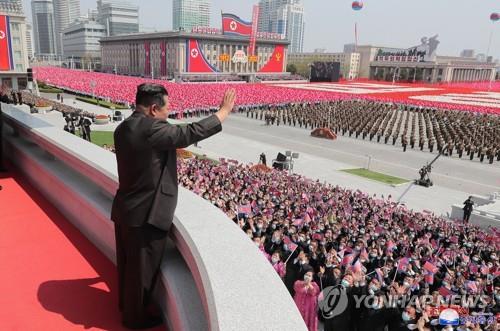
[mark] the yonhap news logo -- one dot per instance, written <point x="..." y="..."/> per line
<point x="334" y="301"/>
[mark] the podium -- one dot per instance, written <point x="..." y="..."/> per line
<point x="325" y="133"/>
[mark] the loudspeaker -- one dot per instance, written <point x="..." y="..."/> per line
<point x="280" y="162"/>
<point x="335" y="71"/>
<point x="30" y="74"/>
<point x="325" y="72"/>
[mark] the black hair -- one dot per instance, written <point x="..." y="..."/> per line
<point x="150" y="94"/>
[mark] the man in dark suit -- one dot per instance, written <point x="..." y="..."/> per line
<point x="144" y="205"/>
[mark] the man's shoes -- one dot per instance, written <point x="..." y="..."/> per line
<point x="150" y="322"/>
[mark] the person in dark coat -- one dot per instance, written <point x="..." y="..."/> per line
<point x="468" y="207"/>
<point x="144" y="205"/>
<point x="262" y="159"/>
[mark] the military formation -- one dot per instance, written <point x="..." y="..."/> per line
<point x="466" y="134"/>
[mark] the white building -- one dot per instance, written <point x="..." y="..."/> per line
<point x="81" y="43"/>
<point x="16" y="77"/>
<point x="421" y="64"/>
<point x="44" y="28"/>
<point x="187" y="14"/>
<point x="118" y="17"/>
<point x="349" y="62"/>
<point x="65" y="12"/>
<point x="285" y="17"/>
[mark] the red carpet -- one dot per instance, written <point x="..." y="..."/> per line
<point x="51" y="276"/>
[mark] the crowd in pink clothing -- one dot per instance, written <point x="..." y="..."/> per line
<point x="318" y="235"/>
<point x="122" y="89"/>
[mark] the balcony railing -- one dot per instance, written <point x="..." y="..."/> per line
<point x="213" y="276"/>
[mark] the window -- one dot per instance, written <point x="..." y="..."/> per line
<point x="16" y="41"/>
<point x="17" y="55"/>
<point x="14" y="26"/>
<point x="19" y="67"/>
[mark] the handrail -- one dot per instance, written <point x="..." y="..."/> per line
<point x="235" y="282"/>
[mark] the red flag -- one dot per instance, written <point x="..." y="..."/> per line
<point x="429" y="278"/>
<point x="347" y="260"/>
<point x="430" y="267"/>
<point x="443" y="291"/>
<point x="357" y="266"/>
<point x="6" y="60"/>
<point x="318" y="236"/>
<point x="403" y="264"/>
<point x="244" y="209"/>
<point x="291" y="245"/>
<point x="485" y="270"/>
<point x="390" y="245"/>
<point x="473" y="268"/>
<point x="298" y="222"/>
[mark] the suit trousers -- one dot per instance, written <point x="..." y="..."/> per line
<point x="139" y="253"/>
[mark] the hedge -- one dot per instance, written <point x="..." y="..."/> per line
<point x="100" y="103"/>
<point x="50" y="90"/>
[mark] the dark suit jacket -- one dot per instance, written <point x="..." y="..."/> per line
<point x="144" y="148"/>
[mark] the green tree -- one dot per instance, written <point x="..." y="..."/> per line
<point x="291" y="68"/>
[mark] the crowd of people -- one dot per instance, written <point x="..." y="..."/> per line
<point x="317" y="235"/>
<point x="467" y="134"/>
<point x="186" y="97"/>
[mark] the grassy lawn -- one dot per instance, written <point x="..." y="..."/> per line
<point x="102" y="137"/>
<point x="383" y="178"/>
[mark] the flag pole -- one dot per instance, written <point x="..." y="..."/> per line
<point x="289" y="256"/>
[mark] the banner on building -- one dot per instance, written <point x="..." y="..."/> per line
<point x="195" y="60"/>
<point x="147" y="59"/>
<point x="232" y="24"/>
<point x="163" y="62"/>
<point x="6" y="60"/>
<point x="276" y="61"/>
<point x="253" y="36"/>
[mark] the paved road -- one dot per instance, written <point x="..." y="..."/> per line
<point x="454" y="173"/>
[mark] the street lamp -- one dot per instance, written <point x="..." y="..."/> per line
<point x="290" y="156"/>
<point x="369" y="161"/>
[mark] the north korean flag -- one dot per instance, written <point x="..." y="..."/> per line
<point x="6" y="61"/>
<point x="232" y="24"/>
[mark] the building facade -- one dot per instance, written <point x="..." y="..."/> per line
<point x="119" y="18"/>
<point x="285" y="17"/>
<point x="180" y="54"/>
<point x="13" y="48"/>
<point x="44" y="29"/>
<point x="187" y="14"/>
<point x="81" y="43"/>
<point x="65" y="12"/>
<point x="349" y="62"/>
<point x="29" y="40"/>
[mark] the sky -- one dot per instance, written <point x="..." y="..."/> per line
<point x="460" y="24"/>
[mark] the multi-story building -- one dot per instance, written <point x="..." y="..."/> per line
<point x="44" y="27"/>
<point x="421" y="64"/>
<point x="187" y="14"/>
<point x="65" y="12"/>
<point x="180" y="54"/>
<point x="81" y="43"/>
<point x="349" y="62"/>
<point x="285" y="17"/>
<point x="13" y="47"/>
<point x="118" y="17"/>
